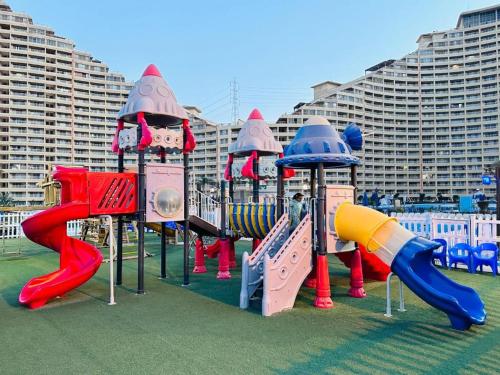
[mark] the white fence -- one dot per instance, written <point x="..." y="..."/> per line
<point x="10" y="224"/>
<point x="454" y="228"/>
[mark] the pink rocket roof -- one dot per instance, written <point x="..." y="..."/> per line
<point x="152" y="95"/>
<point x="255" y="135"/>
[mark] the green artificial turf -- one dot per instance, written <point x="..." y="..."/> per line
<point x="199" y="329"/>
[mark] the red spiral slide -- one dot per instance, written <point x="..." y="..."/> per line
<point x="83" y="194"/>
<point x="79" y="261"/>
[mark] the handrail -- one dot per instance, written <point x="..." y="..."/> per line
<point x="388" y="308"/>
<point x="204" y="206"/>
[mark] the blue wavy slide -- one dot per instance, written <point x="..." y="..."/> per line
<point x="410" y="257"/>
<point x="413" y="265"/>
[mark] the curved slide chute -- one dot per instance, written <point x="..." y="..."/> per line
<point x="79" y="261"/>
<point x="409" y="257"/>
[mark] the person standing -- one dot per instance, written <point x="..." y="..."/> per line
<point x="297" y="211"/>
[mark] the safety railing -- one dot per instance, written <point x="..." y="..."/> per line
<point x="388" y="307"/>
<point x="205" y="207"/>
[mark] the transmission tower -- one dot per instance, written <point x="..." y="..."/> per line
<point x="235" y="102"/>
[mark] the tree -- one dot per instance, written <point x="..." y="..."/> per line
<point x="6" y="200"/>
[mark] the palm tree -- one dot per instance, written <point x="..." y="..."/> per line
<point x="6" y="200"/>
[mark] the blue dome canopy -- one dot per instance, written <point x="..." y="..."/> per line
<point x="318" y="142"/>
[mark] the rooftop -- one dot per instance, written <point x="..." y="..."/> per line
<point x="476" y="11"/>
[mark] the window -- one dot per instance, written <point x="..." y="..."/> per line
<point x="481" y="18"/>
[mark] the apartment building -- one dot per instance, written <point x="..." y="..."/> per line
<point x="58" y="105"/>
<point x="430" y="118"/>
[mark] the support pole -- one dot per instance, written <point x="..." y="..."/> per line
<point x="223" y="209"/>
<point x="255" y="190"/>
<point x="280" y="194"/>
<point x="255" y="193"/>
<point x="313" y="209"/>
<point x="163" y="250"/>
<point x="497" y="178"/>
<point x="119" y="232"/>
<point x="198" y="202"/>
<point x="354" y="182"/>
<point x="311" y="278"/>
<point x="141" y="212"/>
<point x="401" y="298"/>
<point x="231" y="191"/>
<point x="225" y="243"/>
<point x="357" y="288"/>
<point x="111" y="260"/>
<point x="323" y="298"/>
<point x="231" y="183"/>
<point x="320" y="212"/>
<point x="388" y="304"/>
<point x="186" y="213"/>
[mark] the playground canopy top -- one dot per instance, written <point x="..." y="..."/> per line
<point x="152" y="95"/>
<point x="255" y="135"/>
<point x="319" y="142"/>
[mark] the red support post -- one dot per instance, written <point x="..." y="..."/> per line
<point x="224" y="260"/>
<point x="199" y="257"/>
<point x="323" y="298"/>
<point x="255" y="243"/>
<point x="356" y="290"/>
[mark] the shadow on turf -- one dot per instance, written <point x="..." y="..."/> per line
<point x="363" y="354"/>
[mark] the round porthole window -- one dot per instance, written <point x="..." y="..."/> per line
<point x="167" y="202"/>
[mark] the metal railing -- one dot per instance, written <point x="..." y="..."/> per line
<point x="205" y="207"/>
<point x="388" y="308"/>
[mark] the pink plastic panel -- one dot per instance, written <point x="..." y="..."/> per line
<point x="335" y="195"/>
<point x="287" y="270"/>
<point x="164" y="192"/>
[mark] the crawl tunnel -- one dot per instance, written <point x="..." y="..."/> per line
<point x="410" y="257"/>
<point x="252" y="220"/>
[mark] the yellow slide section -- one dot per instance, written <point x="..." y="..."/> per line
<point x="377" y="232"/>
<point x="157" y="228"/>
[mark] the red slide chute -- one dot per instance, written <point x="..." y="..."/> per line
<point x="79" y="261"/>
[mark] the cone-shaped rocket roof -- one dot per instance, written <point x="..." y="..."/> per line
<point x="152" y="95"/>
<point x="255" y="135"/>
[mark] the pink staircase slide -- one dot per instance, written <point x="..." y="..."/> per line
<point x="287" y="270"/>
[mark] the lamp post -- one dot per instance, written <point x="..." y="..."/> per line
<point x="496" y="166"/>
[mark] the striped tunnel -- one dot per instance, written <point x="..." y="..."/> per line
<point x="252" y="220"/>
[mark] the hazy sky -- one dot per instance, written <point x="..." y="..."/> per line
<point x="274" y="49"/>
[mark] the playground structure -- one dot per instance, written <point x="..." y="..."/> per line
<point x="281" y="261"/>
